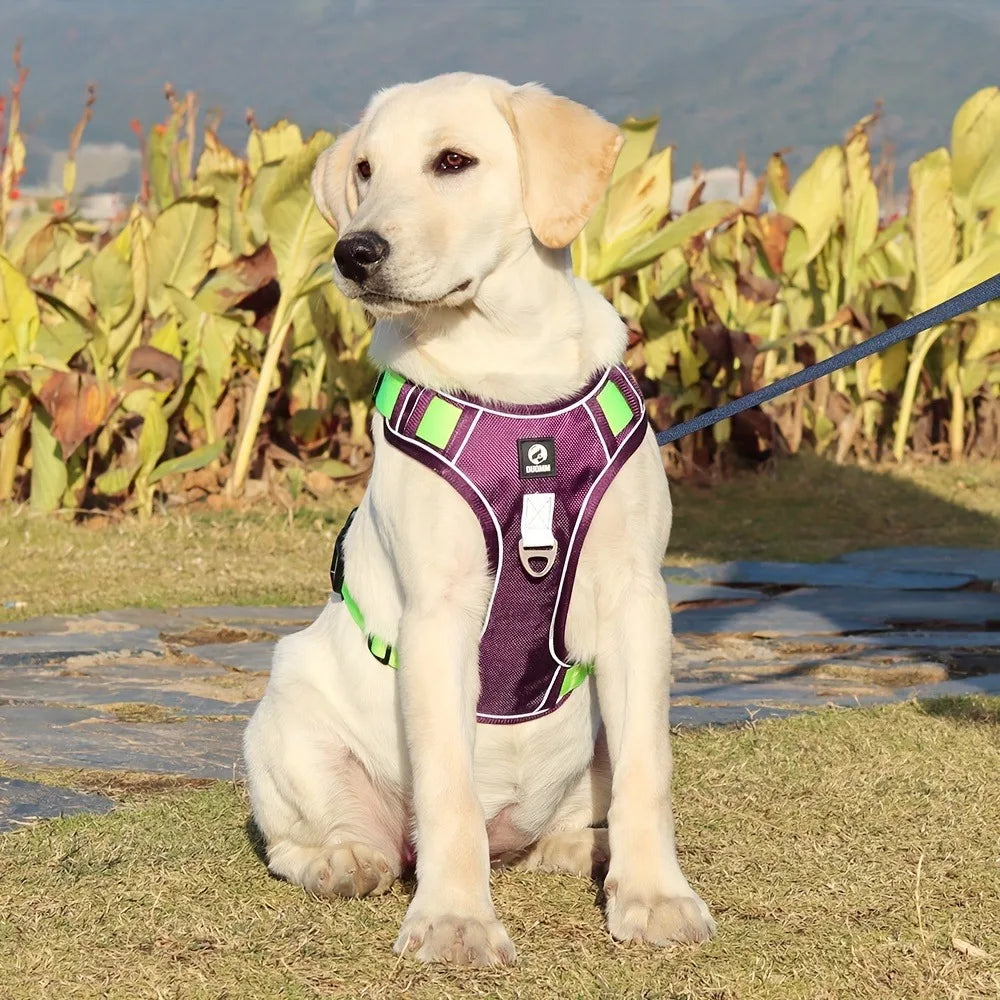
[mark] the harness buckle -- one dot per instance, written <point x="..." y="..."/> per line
<point x="548" y="553"/>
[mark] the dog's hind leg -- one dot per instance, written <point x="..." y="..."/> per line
<point x="328" y="825"/>
<point x="572" y="843"/>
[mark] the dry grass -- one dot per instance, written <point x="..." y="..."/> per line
<point x="801" y="508"/>
<point x="841" y="853"/>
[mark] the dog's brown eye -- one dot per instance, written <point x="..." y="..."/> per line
<point x="450" y="162"/>
<point x="364" y="169"/>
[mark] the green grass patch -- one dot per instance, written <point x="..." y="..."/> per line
<point x="798" y="509"/>
<point x="841" y="853"/>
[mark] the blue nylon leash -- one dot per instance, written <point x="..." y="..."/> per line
<point x="972" y="298"/>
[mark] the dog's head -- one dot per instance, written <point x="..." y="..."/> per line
<point x="443" y="181"/>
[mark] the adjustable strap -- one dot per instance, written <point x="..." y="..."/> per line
<point x="379" y="648"/>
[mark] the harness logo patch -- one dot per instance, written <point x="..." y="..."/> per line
<point x="537" y="457"/>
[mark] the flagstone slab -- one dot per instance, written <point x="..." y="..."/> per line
<point x="698" y="593"/>
<point x="786" y="694"/>
<point x="843" y="611"/>
<point x="245" y="656"/>
<point x="863" y="575"/>
<point x="47" y="647"/>
<point x="982" y="564"/>
<point x="23" y="803"/>
<point x="726" y="715"/>
<point x="95" y="691"/>
<point x="980" y="684"/>
<point x="44" y="736"/>
<point x="898" y="639"/>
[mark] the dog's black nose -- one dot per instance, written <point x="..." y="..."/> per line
<point x="360" y="255"/>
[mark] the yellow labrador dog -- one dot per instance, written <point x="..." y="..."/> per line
<point x="455" y="201"/>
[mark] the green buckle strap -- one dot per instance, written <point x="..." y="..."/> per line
<point x="379" y="648"/>
<point x="574" y="677"/>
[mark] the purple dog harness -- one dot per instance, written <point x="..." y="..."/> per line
<point x="534" y="476"/>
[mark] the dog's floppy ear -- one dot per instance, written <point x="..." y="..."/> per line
<point x="567" y="153"/>
<point x="333" y="183"/>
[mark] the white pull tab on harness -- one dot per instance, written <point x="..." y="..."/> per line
<point x="537" y="540"/>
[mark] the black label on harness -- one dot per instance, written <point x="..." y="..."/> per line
<point x="537" y="457"/>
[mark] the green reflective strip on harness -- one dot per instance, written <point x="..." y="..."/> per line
<point x="575" y="676"/>
<point x="617" y="412"/>
<point x="379" y="648"/>
<point x="438" y="422"/>
<point x="387" y="392"/>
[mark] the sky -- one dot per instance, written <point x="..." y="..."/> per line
<point x="726" y="76"/>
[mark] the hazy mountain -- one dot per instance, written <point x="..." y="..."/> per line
<point x="727" y="75"/>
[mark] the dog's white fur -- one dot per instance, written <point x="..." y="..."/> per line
<point x="348" y="759"/>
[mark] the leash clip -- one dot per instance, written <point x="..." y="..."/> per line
<point x="548" y="554"/>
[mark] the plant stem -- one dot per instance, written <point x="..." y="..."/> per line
<point x="244" y="450"/>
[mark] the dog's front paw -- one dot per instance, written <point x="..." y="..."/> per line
<point x="455" y="940"/>
<point x="657" y="919"/>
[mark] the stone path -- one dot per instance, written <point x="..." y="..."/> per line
<point x="169" y="692"/>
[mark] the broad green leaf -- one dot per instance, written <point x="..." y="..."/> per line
<point x="72" y="291"/>
<point x="217" y="158"/>
<point x="24" y="236"/>
<point x="972" y="376"/>
<point x="61" y="341"/>
<point x="229" y="285"/>
<point x="975" y="134"/>
<point x="271" y="145"/>
<point x="193" y="460"/>
<point x="163" y="171"/>
<point x="226" y="177"/>
<point x="167" y="339"/>
<point x="152" y="439"/>
<point x="985" y="341"/>
<point x="639" y="135"/>
<point x="179" y="249"/>
<point x="112" y="282"/>
<point x="123" y="336"/>
<point x="932" y="223"/>
<point x="985" y="193"/>
<point x="982" y="264"/>
<point x="333" y="468"/>
<point x="235" y="235"/>
<point x="658" y="354"/>
<point x="860" y="207"/>
<point x="48" y="470"/>
<point x="298" y="235"/>
<point x="889" y="368"/>
<point x="777" y="181"/>
<point x="674" y="234"/>
<point x="816" y="204"/>
<point x="18" y="314"/>
<point x="255" y="203"/>
<point x="636" y="204"/>
<point x="218" y="336"/>
<point x="68" y="248"/>
<point x="115" y="480"/>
